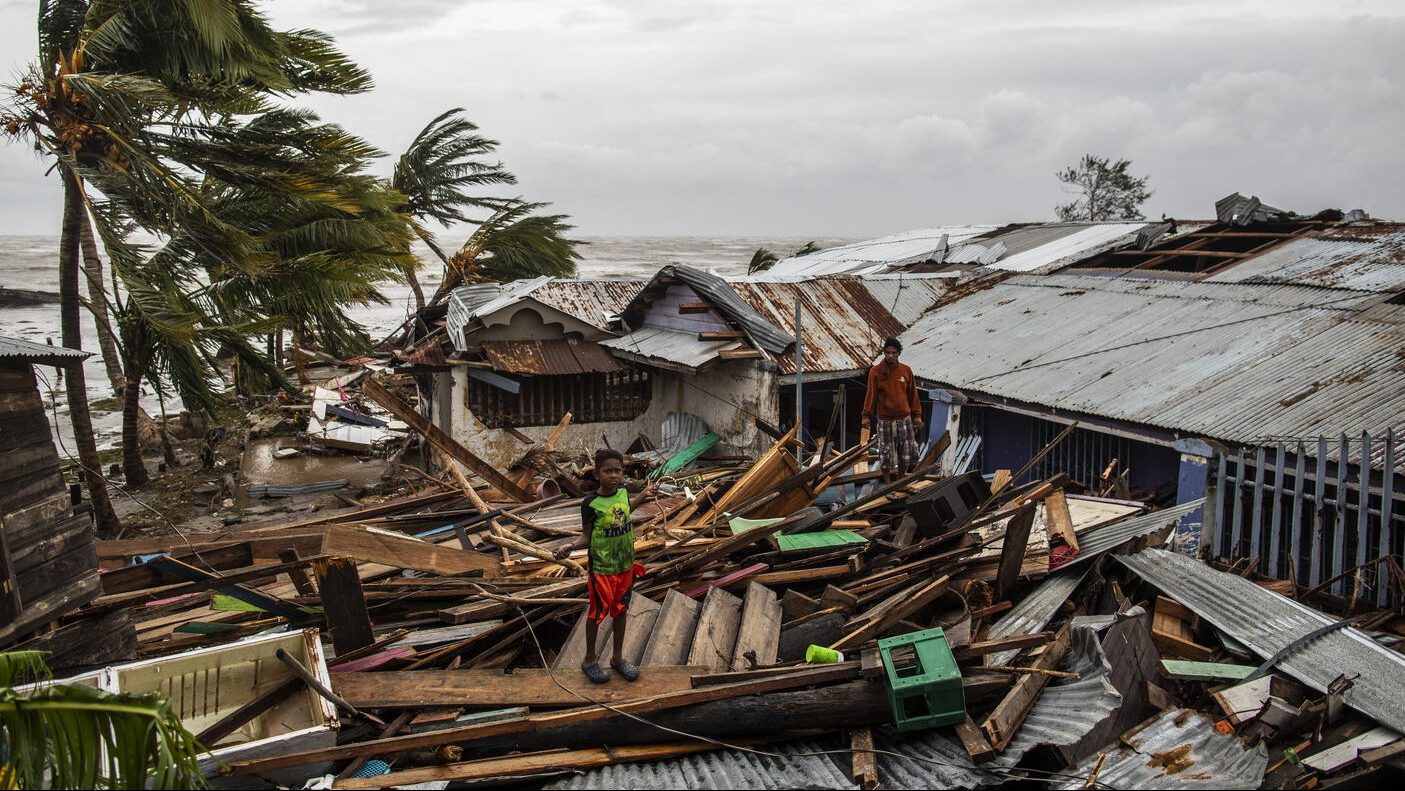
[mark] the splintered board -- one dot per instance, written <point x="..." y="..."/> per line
<point x="716" y="634"/>
<point x="825" y="538"/>
<point x="673" y="631"/>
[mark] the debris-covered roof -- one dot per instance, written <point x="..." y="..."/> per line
<point x="1366" y="257"/>
<point x="720" y="295"/>
<point x="593" y="302"/>
<point x="1238" y="362"/>
<point x="842" y="323"/>
<point x="1020" y="247"/>
<point x="790" y="765"/>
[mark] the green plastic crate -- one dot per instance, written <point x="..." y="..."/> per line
<point x="925" y="692"/>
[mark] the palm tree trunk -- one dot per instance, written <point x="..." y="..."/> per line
<point x="76" y="383"/>
<point x="132" y="465"/>
<point x="98" y="305"/>
<point x="168" y="451"/>
<point x="299" y="364"/>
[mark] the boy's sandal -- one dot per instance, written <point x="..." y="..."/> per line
<point x="596" y="673"/>
<point x="627" y="669"/>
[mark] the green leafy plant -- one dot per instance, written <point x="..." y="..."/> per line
<point x="76" y="736"/>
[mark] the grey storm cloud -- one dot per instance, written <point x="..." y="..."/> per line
<point x="790" y="117"/>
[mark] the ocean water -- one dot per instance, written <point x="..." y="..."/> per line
<point x="31" y="263"/>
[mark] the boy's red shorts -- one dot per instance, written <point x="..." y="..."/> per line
<point x="609" y="593"/>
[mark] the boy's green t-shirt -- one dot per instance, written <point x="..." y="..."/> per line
<point x="611" y="532"/>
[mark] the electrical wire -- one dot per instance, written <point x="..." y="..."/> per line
<point x="1001" y="772"/>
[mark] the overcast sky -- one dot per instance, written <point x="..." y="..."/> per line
<point x="781" y="117"/>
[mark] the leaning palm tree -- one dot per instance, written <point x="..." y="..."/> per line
<point x="76" y="736"/>
<point x="127" y="98"/>
<point x="512" y="244"/>
<point x="441" y="175"/>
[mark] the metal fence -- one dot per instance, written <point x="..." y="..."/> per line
<point x="1318" y="512"/>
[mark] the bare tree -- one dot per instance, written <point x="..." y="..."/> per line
<point x="1105" y="190"/>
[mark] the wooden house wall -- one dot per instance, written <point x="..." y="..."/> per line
<point x="48" y="562"/>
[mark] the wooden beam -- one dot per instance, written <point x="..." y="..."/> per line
<point x="693" y="307"/>
<point x="876" y="628"/>
<point x="974" y="741"/>
<point x="821" y="675"/>
<point x="720" y="335"/>
<point x="760" y="631"/>
<point x="401" y="551"/>
<point x="1058" y="518"/>
<point x="1181" y="251"/>
<point x="494" y="689"/>
<point x="1012" y="551"/>
<point x="865" y="763"/>
<point x="1016" y="643"/>
<point x="441" y="440"/>
<point x="739" y="354"/>
<point x="344" y="604"/>
<point x="1002" y="724"/>
<point x="520" y="765"/>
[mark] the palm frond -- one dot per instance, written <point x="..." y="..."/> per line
<point x="23" y="667"/>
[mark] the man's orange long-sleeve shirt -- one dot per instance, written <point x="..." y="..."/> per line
<point x="893" y="391"/>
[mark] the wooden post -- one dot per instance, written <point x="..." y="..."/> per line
<point x="1012" y="551"/>
<point x="865" y="767"/>
<point x="344" y="604"/>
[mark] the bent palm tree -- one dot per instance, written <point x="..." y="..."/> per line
<point x="514" y="243"/>
<point x="129" y="97"/>
<point x="436" y="174"/>
<point x="74" y="736"/>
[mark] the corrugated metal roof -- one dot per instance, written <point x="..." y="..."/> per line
<point x="1233" y="361"/>
<point x="1111" y="536"/>
<point x="928" y="759"/>
<point x="41" y="353"/>
<point x="1266" y="622"/>
<point x="1181" y="749"/>
<point x="670" y="346"/>
<point x="591" y="301"/>
<point x="1022" y="247"/>
<point x="1368" y="258"/>
<point x="843" y="325"/>
<point x="718" y="293"/>
<point x="555" y="357"/>
<point x="907" y="296"/>
<point x="721" y="770"/>
<point x="1034" y="611"/>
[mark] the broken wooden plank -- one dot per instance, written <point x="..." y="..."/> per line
<point x="716" y="634"/>
<point x="442" y="441"/>
<point x="1172" y="632"/>
<point x="1058" y="518"/>
<point x="1002" y="724"/>
<point x="759" y="633"/>
<point x="920" y="598"/>
<point x="492" y="688"/>
<point x="974" y="742"/>
<point x="344" y="604"/>
<point x="864" y="769"/>
<point x="726" y="579"/>
<point x="672" y="635"/>
<point x="1016" y="643"/>
<point x="370" y="545"/>
<point x="1012" y="550"/>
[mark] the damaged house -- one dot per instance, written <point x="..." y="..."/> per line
<point x="1254" y="361"/>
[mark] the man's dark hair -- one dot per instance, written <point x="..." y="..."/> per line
<point x="894" y="344"/>
<point x="605" y="454"/>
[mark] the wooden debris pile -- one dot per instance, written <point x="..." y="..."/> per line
<point x="454" y="637"/>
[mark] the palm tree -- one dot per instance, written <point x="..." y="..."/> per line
<point x="128" y="98"/>
<point x="761" y="260"/>
<point x="75" y="736"/>
<point x="436" y="174"/>
<point x="512" y="244"/>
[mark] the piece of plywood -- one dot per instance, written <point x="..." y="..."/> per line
<point x="1059" y="520"/>
<point x="760" y="630"/>
<point x="672" y="634"/>
<point x="716" y="634"/>
<point x="401" y="551"/>
<point x="1172" y="632"/>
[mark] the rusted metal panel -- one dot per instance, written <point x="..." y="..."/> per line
<point x="591" y="301"/>
<point x="550" y="357"/>
<point x="1368" y="258"/>
<point x="844" y="324"/>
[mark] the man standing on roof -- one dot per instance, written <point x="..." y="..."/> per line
<point x="891" y="397"/>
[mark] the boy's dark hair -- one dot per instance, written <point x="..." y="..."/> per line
<point x="605" y="454"/>
<point x="894" y="344"/>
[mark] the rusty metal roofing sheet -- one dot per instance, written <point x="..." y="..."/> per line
<point x="788" y="766"/>
<point x="1267" y="622"/>
<point x="717" y="292"/>
<point x="1238" y="362"/>
<point x="1180" y="749"/>
<point x="1365" y="259"/>
<point x="591" y="301"/>
<point x="41" y="353"/>
<point x="842" y="323"/>
<point x="556" y="357"/>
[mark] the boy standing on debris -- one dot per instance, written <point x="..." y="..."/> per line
<point x="606" y="528"/>
<point x="892" y="395"/>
